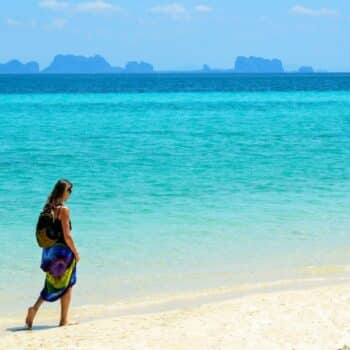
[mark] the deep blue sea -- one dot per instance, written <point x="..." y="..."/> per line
<point x="181" y="182"/>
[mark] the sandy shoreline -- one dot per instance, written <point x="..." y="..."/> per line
<point x="316" y="317"/>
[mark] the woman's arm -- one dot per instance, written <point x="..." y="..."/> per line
<point x="66" y="232"/>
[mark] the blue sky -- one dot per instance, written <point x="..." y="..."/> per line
<point x="179" y="34"/>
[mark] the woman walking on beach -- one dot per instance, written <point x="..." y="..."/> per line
<point x="58" y="261"/>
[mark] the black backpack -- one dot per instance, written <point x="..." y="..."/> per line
<point x="45" y="231"/>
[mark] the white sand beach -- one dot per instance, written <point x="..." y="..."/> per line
<point x="303" y="318"/>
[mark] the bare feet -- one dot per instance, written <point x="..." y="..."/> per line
<point x="30" y="317"/>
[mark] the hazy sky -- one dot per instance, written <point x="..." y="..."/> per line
<point x="179" y="34"/>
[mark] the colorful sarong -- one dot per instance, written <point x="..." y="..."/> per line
<point x="60" y="266"/>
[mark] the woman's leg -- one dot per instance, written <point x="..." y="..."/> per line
<point x="65" y="301"/>
<point x="32" y="312"/>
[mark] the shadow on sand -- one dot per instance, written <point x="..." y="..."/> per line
<point x="35" y="328"/>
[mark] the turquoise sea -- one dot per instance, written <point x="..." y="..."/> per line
<point x="180" y="182"/>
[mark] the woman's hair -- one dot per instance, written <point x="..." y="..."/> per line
<point x="57" y="192"/>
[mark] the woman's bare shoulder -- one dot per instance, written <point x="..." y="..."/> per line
<point x="63" y="212"/>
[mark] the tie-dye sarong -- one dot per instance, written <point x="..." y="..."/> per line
<point x="60" y="266"/>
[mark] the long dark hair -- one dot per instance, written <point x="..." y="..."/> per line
<point x="57" y="192"/>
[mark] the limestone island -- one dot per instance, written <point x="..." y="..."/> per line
<point x="254" y="64"/>
<point x="71" y="64"/>
<point x="16" y="67"/>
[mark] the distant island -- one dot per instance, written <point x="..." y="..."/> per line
<point x="70" y="64"/>
<point x="257" y="65"/>
<point x="16" y="67"/>
<point x="306" y="69"/>
<point x="252" y="65"/>
<point x="75" y="64"/>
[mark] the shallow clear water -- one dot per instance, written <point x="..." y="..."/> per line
<point x="176" y="190"/>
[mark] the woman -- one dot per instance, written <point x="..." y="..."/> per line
<point x="58" y="261"/>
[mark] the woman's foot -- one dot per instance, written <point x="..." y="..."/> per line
<point x="30" y="317"/>
<point x="68" y="323"/>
